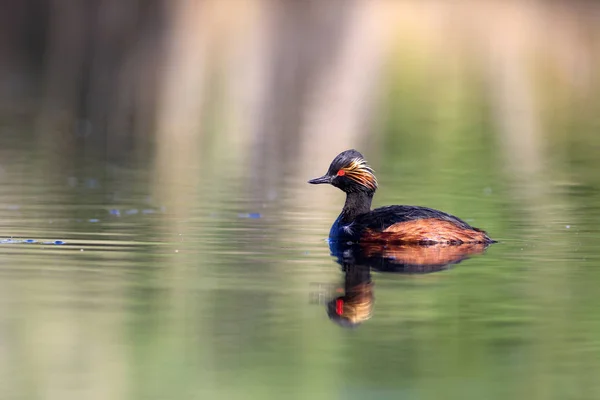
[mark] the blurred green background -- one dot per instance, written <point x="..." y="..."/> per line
<point x="168" y="144"/>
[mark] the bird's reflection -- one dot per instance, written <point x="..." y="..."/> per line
<point x="358" y="260"/>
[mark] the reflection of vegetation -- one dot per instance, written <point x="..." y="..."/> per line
<point x="228" y="313"/>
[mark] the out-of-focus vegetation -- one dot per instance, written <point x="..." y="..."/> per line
<point x="488" y="110"/>
<point x="225" y="85"/>
<point x="150" y="76"/>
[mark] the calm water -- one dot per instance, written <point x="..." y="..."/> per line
<point x="158" y="238"/>
<point x="218" y="286"/>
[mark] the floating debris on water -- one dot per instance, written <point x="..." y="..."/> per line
<point x="94" y="220"/>
<point x="249" y="215"/>
<point x="135" y="211"/>
<point x="30" y="241"/>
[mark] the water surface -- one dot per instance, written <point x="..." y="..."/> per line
<point x="221" y="290"/>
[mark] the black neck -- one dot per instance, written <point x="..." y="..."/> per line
<point x="356" y="203"/>
<point x="356" y="275"/>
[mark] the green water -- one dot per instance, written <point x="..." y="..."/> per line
<point x="217" y="296"/>
<point x="159" y="240"/>
<point x="206" y="274"/>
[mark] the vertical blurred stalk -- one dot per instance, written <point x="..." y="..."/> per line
<point x="177" y="163"/>
<point x="63" y="75"/>
<point x="323" y="68"/>
<point x="515" y="106"/>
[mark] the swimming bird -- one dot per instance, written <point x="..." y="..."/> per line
<point x="350" y="172"/>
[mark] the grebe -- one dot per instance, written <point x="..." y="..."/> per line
<point x="392" y="224"/>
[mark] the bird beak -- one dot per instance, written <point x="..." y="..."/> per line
<point x="323" y="179"/>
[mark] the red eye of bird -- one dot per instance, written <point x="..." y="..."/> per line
<point x="339" y="306"/>
<point x="341" y="172"/>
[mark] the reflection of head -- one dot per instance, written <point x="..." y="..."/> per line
<point x="357" y="261"/>
<point x="354" y="307"/>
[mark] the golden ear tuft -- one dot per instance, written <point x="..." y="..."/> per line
<point x="359" y="171"/>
